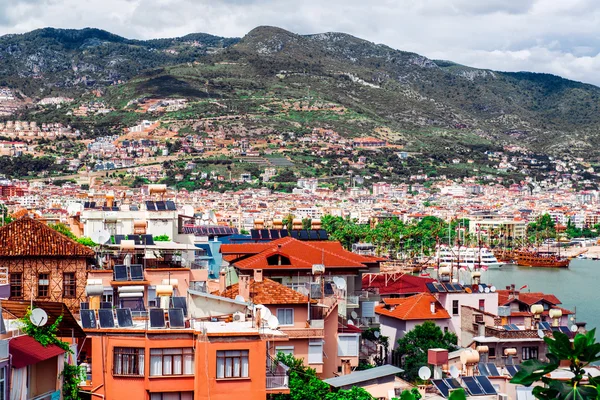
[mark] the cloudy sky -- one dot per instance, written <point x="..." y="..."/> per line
<point x="556" y="36"/>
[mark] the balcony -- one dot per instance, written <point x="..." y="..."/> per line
<point x="277" y="377"/>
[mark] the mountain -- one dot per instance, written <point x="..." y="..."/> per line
<point x="49" y="60"/>
<point x="419" y="102"/>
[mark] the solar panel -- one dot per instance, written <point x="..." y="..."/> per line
<point x="124" y="318"/>
<point x="303" y="235"/>
<point x="323" y="235"/>
<point x="507" y="327"/>
<point x="147" y="240"/>
<point x="472" y="386"/>
<point x="486" y="385"/>
<point x="88" y="318"/>
<point x="171" y="205"/>
<point x="512" y="370"/>
<point x="493" y="370"/>
<point x="545" y="325"/>
<point x="431" y="288"/>
<point x="514" y="327"/>
<point x="118" y="238"/>
<point x="105" y="305"/>
<point x="150" y="206"/>
<point x="84" y="305"/>
<point x="555" y="329"/>
<point x="315" y="291"/>
<point x="93" y="204"/>
<point x="120" y="272"/>
<point x="440" y="288"/>
<point x="565" y="330"/>
<point x="254" y="234"/>
<point x="284" y="233"/>
<point x="313" y="235"/>
<point x="176" y="318"/>
<point x="160" y="205"/>
<point x="295" y="234"/>
<point x="453" y="383"/>
<point x="328" y="289"/>
<point x="157" y="318"/>
<point x="441" y="386"/>
<point x="264" y="234"/>
<point x="106" y="318"/>
<point x="483" y="370"/>
<point x="114" y="208"/>
<point x="179" y="302"/>
<point x="104" y="208"/>
<point x="274" y="234"/>
<point x="449" y="288"/>
<point x="136" y="239"/>
<point x="86" y="204"/>
<point x="134" y="208"/>
<point x="137" y="272"/>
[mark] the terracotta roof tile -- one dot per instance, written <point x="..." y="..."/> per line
<point x="301" y="254"/>
<point x="395" y="283"/>
<point x="268" y="292"/>
<point x="28" y="237"/>
<point x="526" y="298"/>
<point x="417" y="307"/>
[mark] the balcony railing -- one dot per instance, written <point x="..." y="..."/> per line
<point x="277" y="374"/>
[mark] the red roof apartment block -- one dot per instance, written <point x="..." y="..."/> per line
<point x="423" y="306"/>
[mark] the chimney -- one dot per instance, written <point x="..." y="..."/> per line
<point x="432" y="307"/>
<point x="222" y="281"/>
<point x="258" y="275"/>
<point x="244" y="285"/>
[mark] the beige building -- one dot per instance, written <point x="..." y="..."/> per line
<point x="493" y="225"/>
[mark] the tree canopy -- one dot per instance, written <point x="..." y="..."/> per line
<point x="413" y="346"/>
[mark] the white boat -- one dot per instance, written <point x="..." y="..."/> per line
<point x="471" y="258"/>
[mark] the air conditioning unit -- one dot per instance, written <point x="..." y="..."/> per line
<point x="239" y="317"/>
<point x="502" y="396"/>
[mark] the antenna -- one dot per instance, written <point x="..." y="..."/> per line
<point x="425" y="373"/>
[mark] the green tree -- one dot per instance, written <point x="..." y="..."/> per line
<point x="86" y="241"/>
<point x="355" y="393"/>
<point x="5" y="217"/>
<point x="413" y="346"/>
<point x="579" y="354"/>
<point x="64" y="229"/>
<point x="306" y="223"/>
<point x="304" y="383"/>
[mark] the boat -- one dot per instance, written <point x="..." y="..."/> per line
<point x="471" y="258"/>
<point x="536" y="259"/>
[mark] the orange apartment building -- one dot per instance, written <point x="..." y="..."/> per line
<point x="311" y="325"/>
<point x="209" y="360"/>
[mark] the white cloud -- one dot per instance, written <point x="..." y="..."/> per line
<point x="551" y="36"/>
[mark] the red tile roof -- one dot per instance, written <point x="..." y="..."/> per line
<point x="395" y="283"/>
<point x="301" y="254"/>
<point x="29" y="237"/>
<point x="417" y="307"/>
<point x="526" y="298"/>
<point x="268" y="292"/>
<point x="25" y="351"/>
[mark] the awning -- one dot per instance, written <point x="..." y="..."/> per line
<point x="25" y="351"/>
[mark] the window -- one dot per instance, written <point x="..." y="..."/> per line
<point x="285" y="350"/>
<point x="348" y="345"/>
<point x="529" y="353"/>
<point x="43" y="285"/>
<point x="69" y="286"/>
<point x="454" y="307"/>
<point x="492" y="352"/>
<point x="481" y="304"/>
<point x="172" y="396"/>
<point x="315" y="351"/>
<point x="232" y="364"/>
<point x="128" y="361"/>
<point x="16" y="285"/>
<point x="171" y="362"/>
<point x="285" y="316"/>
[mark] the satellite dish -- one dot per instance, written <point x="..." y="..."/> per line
<point x="487" y="290"/>
<point x="350" y="322"/>
<point x="38" y="317"/>
<point x="354" y="314"/>
<point x="100" y="237"/>
<point x="480" y="289"/>
<point x="541" y="333"/>
<point x="425" y="373"/>
<point x="265" y="313"/>
<point x="574" y="328"/>
<point x="240" y="298"/>
<point x="273" y="322"/>
<point x="341" y="283"/>
<point x="493" y="289"/>
<point x="454" y="372"/>
<point x="377" y="334"/>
